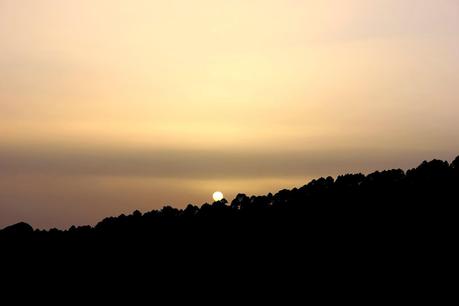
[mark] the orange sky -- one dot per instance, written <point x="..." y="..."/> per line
<point x="113" y="105"/>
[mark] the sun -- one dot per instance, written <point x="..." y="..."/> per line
<point x="218" y="196"/>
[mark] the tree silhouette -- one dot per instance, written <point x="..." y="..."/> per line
<point x="372" y="221"/>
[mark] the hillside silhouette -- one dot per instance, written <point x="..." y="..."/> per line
<point x="376" y="198"/>
<point x="378" y="224"/>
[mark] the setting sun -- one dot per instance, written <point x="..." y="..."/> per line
<point x="217" y="196"/>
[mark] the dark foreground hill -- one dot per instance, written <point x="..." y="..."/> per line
<point x="392" y="225"/>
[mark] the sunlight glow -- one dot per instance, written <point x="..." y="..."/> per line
<point x="217" y="196"/>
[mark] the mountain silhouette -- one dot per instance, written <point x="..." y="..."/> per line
<point x="20" y="229"/>
<point x="381" y="225"/>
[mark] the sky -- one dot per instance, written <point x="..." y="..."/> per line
<point x="108" y="106"/>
